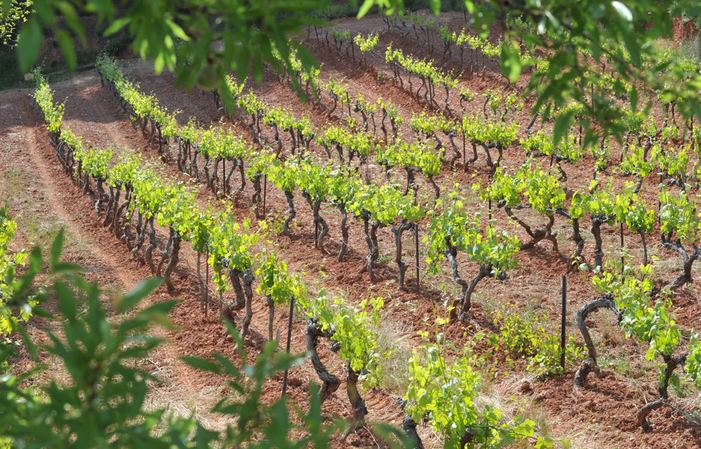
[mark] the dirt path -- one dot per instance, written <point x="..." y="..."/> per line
<point x="50" y="186"/>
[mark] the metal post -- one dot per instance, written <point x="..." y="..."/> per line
<point x="623" y="262"/>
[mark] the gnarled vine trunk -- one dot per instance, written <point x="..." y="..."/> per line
<point x="409" y="427"/>
<point x="544" y="233"/>
<point x="318" y="219"/>
<point x="671" y="364"/>
<point x="687" y="259"/>
<point x="173" y="259"/>
<point x="329" y="382"/>
<point x="590" y="364"/>
<point x="344" y="230"/>
<point x="358" y="410"/>
<point x="291" y="214"/>
<point x="596" y="222"/>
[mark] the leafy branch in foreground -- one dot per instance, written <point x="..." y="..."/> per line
<point x="103" y="402"/>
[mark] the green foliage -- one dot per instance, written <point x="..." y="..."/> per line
<point x="229" y="242"/>
<point x="44" y="97"/>
<point x="259" y="425"/>
<point x="353" y="328"/>
<point x="144" y="106"/>
<point x="113" y="47"/>
<point x="693" y="361"/>
<point x="104" y="402"/>
<point x="450" y="221"/>
<point x="678" y="214"/>
<point x="284" y="176"/>
<point x="607" y="34"/>
<point x="655" y="324"/>
<point x="636" y="215"/>
<point x="12" y="18"/>
<point x="9" y="262"/>
<point x="535" y="336"/>
<point x="258" y="163"/>
<point x="420" y="68"/>
<point x="218" y="142"/>
<point x="172" y="205"/>
<point x="312" y="179"/>
<point x="368" y="43"/>
<point x="343" y="186"/>
<point x="635" y="163"/>
<point x="275" y="280"/>
<point x="446" y="393"/>
<point x="543" y="192"/>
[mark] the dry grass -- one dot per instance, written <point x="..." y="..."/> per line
<point x="394" y="336"/>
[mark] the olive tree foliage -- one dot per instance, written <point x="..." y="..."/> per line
<point x="579" y="41"/>
<point x="214" y="38"/>
<point x="11" y="18"/>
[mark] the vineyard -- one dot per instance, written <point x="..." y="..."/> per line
<point x="404" y="214"/>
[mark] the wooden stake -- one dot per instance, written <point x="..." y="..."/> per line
<point x="289" y="338"/>
<point x="564" y="314"/>
<point x="623" y="262"/>
<point x="265" y="191"/>
<point x="206" y="290"/>
<point x="489" y="185"/>
<point x="199" y="278"/>
<point x="416" y="241"/>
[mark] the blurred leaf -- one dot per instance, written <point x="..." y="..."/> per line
<point x="367" y="4"/>
<point x="69" y="14"/>
<point x="562" y="124"/>
<point x="28" y="343"/>
<point x="29" y="44"/>
<point x="396" y="438"/>
<point x="177" y="30"/>
<point x="139" y="292"/>
<point x="201" y="364"/>
<point x="435" y="6"/>
<point x="57" y="247"/>
<point x="510" y="61"/>
<point x="116" y="25"/>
